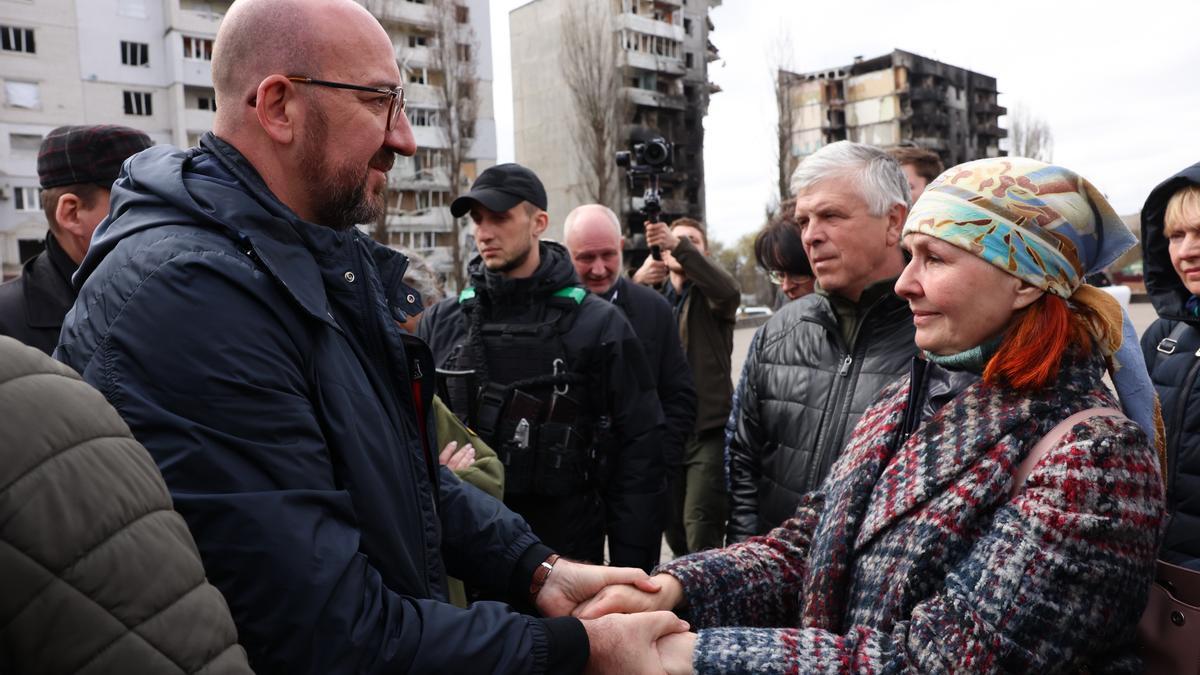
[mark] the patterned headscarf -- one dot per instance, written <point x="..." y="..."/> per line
<point x="1048" y="226"/>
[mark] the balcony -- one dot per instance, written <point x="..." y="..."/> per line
<point x="414" y="57"/>
<point x="195" y="120"/>
<point x="641" y="24"/>
<point x="433" y="219"/>
<point x="422" y="95"/>
<point x="653" y="99"/>
<point x="404" y="178"/>
<point x="195" y="72"/>
<point x="666" y="65"/>
<point x="409" y="13"/>
<point x="429" y="137"/>
<point x="196" y="18"/>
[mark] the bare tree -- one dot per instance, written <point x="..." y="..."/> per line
<point x="779" y="58"/>
<point x="1029" y="135"/>
<point x="454" y="52"/>
<point x="591" y="69"/>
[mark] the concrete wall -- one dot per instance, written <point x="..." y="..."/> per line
<point x="542" y="105"/>
<point x="54" y="69"/>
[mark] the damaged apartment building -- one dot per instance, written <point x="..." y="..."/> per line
<point x="661" y="50"/>
<point x="895" y="99"/>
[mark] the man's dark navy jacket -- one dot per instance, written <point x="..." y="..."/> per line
<point x="255" y="355"/>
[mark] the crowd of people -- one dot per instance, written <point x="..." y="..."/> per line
<point x="256" y="440"/>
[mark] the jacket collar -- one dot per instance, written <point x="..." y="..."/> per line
<point x="47" y="286"/>
<point x="288" y="246"/>
<point x="554" y="272"/>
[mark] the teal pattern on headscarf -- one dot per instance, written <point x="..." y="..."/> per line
<point x="1042" y="223"/>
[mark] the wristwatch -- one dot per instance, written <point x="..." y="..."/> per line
<point x="541" y="574"/>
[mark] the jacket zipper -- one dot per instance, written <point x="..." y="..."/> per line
<point x="843" y="391"/>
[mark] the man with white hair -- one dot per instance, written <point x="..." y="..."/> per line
<point x="593" y="236"/>
<point x="820" y="360"/>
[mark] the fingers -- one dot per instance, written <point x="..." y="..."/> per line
<point x="456" y="458"/>
<point x="447" y="452"/>
<point x="623" y="575"/>
<point x="648" y="585"/>
<point x="661" y="623"/>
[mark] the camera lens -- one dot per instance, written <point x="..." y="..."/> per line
<point x="657" y="152"/>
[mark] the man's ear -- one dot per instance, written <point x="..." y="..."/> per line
<point x="277" y="107"/>
<point x="896" y="216"/>
<point x="540" y="222"/>
<point x="66" y="214"/>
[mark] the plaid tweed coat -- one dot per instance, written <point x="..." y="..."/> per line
<point x="917" y="559"/>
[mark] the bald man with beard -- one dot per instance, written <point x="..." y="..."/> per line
<point x="246" y="331"/>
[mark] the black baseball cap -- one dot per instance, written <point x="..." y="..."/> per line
<point x="500" y="188"/>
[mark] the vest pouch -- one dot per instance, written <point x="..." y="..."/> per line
<point x="561" y="460"/>
<point x="519" y="458"/>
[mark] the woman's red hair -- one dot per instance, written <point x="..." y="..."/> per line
<point x="1034" y="345"/>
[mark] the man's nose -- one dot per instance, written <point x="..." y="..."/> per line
<point x="400" y="138"/>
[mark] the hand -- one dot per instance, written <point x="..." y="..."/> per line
<point x="456" y="458"/>
<point x="626" y="643"/>
<point x="675" y="652"/>
<point x="658" y="234"/>
<point x="651" y="273"/>
<point x="627" y="599"/>
<point x="572" y="583"/>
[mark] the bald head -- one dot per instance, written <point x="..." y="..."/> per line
<point x="592" y="218"/>
<point x="593" y="236"/>
<point x="259" y="38"/>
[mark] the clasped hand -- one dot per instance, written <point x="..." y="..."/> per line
<point x="623" y="611"/>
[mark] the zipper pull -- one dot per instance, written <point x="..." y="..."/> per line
<point x="417" y="369"/>
<point x="845" y="369"/>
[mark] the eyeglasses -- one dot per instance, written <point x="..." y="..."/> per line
<point x="395" y="96"/>
<point x="777" y="277"/>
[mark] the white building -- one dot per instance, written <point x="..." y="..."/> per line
<point x="664" y="51"/>
<point x="147" y="64"/>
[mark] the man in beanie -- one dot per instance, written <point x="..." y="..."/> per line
<point x="76" y="168"/>
<point x="554" y="379"/>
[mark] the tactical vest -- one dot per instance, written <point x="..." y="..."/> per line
<point x="525" y="399"/>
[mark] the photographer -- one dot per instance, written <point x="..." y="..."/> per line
<point x="705" y="299"/>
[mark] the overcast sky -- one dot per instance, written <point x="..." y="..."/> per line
<point x="1118" y="83"/>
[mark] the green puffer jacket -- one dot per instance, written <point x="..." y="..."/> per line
<point x="97" y="573"/>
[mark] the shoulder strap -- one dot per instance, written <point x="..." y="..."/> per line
<point x="1051" y="439"/>
<point x="1168" y="344"/>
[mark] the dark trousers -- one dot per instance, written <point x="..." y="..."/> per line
<point x="699" y="503"/>
<point x="573" y="526"/>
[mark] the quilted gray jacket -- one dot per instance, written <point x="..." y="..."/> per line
<point x="97" y="573"/>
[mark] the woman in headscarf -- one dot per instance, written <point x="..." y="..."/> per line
<point x="926" y="549"/>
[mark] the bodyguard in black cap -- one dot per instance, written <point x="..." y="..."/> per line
<point x="77" y="166"/>
<point x="554" y="379"/>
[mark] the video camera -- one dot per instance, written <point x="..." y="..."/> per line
<point x="649" y="160"/>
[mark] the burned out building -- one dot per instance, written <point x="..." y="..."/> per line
<point x="895" y="99"/>
<point x="661" y="52"/>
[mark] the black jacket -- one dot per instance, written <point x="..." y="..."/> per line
<point x="628" y="507"/>
<point x="706" y="320"/>
<point x="33" y="305"/>
<point x="1176" y="374"/>
<point x="805" y="390"/>
<point x="650" y="315"/>
<point x="256" y="357"/>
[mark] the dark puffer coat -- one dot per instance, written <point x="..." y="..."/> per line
<point x="1172" y="349"/>
<point x="257" y="357"/>
<point x="805" y="389"/>
<point x="97" y="573"/>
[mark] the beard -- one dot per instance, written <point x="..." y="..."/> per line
<point x="506" y="265"/>
<point x="342" y="200"/>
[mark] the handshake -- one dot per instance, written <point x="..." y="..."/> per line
<point x="626" y="615"/>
